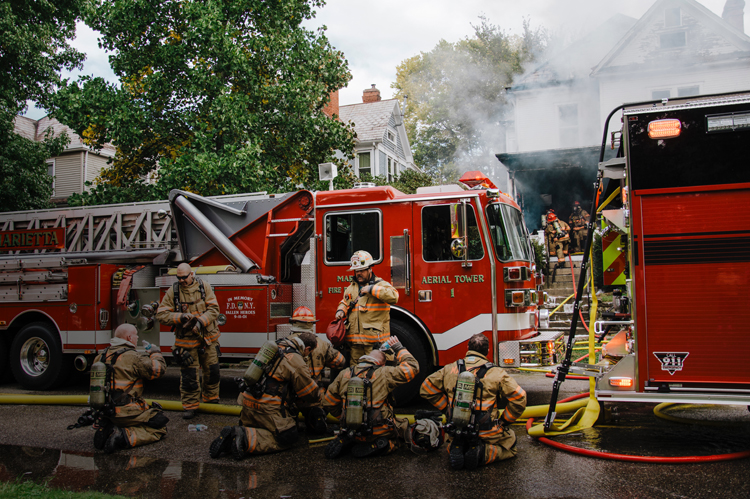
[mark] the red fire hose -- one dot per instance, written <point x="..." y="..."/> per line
<point x="631" y="458"/>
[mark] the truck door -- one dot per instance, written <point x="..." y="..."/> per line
<point x="451" y="274"/>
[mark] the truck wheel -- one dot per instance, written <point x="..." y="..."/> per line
<point x="3" y="359"/>
<point x="409" y="339"/>
<point x="36" y="358"/>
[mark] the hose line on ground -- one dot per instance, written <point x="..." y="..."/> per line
<point x="633" y="458"/>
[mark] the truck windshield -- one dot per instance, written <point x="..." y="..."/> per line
<point x="508" y="232"/>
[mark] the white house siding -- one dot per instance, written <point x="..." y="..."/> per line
<point x="537" y="124"/>
<point x="68" y="170"/>
<point x="95" y="165"/>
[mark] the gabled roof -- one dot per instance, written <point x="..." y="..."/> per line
<point x="35" y="129"/>
<point x="709" y="39"/>
<point x="370" y="119"/>
<point x="577" y="59"/>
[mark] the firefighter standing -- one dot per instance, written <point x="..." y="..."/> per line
<point x="557" y="233"/>
<point x="368" y="424"/>
<point x="487" y="438"/>
<point x="128" y="419"/>
<point x="578" y="221"/>
<point x="192" y="309"/>
<point x="268" y="416"/>
<point x="370" y="299"/>
<point x="324" y="355"/>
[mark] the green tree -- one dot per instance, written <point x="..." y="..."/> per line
<point x="216" y="97"/>
<point x="456" y="97"/>
<point x="34" y="48"/>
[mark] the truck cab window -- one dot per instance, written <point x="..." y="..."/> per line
<point x="508" y="233"/>
<point x="440" y="228"/>
<point x="349" y="232"/>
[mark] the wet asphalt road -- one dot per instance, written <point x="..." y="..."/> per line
<point x="34" y="443"/>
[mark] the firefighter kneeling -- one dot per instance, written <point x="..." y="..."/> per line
<point x="360" y="396"/>
<point x="123" y="419"/>
<point x="469" y="393"/>
<point x="275" y="380"/>
<point x="323" y="356"/>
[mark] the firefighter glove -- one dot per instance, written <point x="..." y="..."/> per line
<point x="391" y="343"/>
<point x="188" y="321"/>
<point x="148" y="346"/>
<point x="365" y="290"/>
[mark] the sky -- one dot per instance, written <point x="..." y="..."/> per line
<point x="376" y="36"/>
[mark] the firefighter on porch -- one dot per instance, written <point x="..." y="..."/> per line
<point x="367" y="305"/>
<point x="323" y="356"/>
<point x="579" y="218"/>
<point x="557" y="234"/>
<point x="128" y="420"/>
<point x="360" y="397"/>
<point x="191" y="308"/>
<point x="276" y="379"/>
<point x="473" y="386"/>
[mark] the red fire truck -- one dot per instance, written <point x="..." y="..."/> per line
<point x="683" y="329"/>
<point x="460" y="258"/>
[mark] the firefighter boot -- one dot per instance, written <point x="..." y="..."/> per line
<point x="188" y="414"/>
<point x="474" y="456"/>
<point x="457" y="455"/>
<point x="116" y="441"/>
<point x="240" y="443"/>
<point x="379" y="446"/>
<point x="222" y="443"/>
<point x="315" y="421"/>
<point x="336" y="447"/>
<point x="102" y="434"/>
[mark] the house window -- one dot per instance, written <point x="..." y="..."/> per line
<point x="688" y="91"/>
<point x="51" y="173"/>
<point x="364" y="163"/>
<point x="391" y="169"/>
<point x="673" y="40"/>
<point x="390" y="136"/>
<point x="568" y="118"/>
<point x="660" y="94"/>
<point x="672" y="17"/>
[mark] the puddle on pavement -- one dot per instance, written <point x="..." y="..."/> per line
<point x="637" y="431"/>
<point x="126" y="475"/>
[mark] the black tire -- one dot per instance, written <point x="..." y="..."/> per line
<point x="4" y="375"/>
<point x="36" y="358"/>
<point x="405" y="394"/>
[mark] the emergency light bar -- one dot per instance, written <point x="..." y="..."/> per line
<point x="512" y="274"/>
<point x="664" y="129"/>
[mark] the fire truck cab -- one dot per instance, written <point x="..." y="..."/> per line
<point x="683" y="336"/>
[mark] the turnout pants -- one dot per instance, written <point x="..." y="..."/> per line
<point x="139" y="433"/>
<point x="190" y="379"/>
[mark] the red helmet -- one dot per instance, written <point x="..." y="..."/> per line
<point x="303" y="314"/>
<point x="551" y="217"/>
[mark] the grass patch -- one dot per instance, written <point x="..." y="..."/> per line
<point x="28" y="489"/>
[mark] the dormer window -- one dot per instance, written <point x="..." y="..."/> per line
<point x="672" y="17"/>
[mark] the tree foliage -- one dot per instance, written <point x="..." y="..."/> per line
<point x="456" y="102"/>
<point x="34" y="48"/>
<point x="216" y="97"/>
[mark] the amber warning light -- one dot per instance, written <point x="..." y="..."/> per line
<point x="664" y="129"/>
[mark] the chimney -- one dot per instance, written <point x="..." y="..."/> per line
<point x="333" y="105"/>
<point x="734" y="14"/>
<point x="371" y="95"/>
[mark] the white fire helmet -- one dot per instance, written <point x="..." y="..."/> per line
<point x="361" y="260"/>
